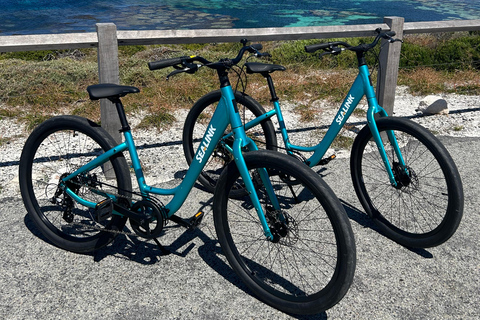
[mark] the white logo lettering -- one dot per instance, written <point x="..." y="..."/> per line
<point x="345" y="109"/>
<point x="205" y="143"/>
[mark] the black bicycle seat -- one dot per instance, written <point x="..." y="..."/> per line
<point x="109" y="91"/>
<point x="263" y="68"/>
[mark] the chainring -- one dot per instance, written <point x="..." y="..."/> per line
<point x="153" y="224"/>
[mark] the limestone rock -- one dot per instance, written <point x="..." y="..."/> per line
<point x="433" y="105"/>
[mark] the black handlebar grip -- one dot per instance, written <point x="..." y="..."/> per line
<point x="315" y="47"/>
<point x="257" y="46"/>
<point x="390" y="33"/>
<point x="155" y="65"/>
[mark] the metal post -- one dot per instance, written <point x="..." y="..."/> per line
<point x="389" y="62"/>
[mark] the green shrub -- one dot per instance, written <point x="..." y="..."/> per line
<point x="46" y="55"/>
<point x="413" y="55"/>
<point x="27" y="55"/>
<point x="448" y="54"/>
<point x="130" y="50"/>
<point x="459" y="53"/>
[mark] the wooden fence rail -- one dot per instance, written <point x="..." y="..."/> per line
<point x="108" y="38"/>
<point x="146" y="37"/>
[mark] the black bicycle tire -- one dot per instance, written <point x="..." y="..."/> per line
<point x="454" y="209"/>
<point x="191" y="119"/>
<point x="345" y="252"/>
<point x="120" y="167"/>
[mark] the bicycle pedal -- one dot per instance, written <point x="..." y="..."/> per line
<point x="325" y="161"/>
<point x="103" y="210"/>
<point x="196" y="220"/>
<point x="190" y="223"/>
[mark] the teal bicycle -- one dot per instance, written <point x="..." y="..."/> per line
<point x="403" y="176"/>
<point x="291" y="243"/>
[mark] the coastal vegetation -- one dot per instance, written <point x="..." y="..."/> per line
<point x="39" y="84"/>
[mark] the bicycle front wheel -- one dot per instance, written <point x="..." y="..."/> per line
<point x="426" y="206"/>
<point x="55" y="149"/>
<point x="196" y="125"/>
<point x="309" y="265"/>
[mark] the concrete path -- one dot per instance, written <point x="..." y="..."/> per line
<point x="132" y="280"/>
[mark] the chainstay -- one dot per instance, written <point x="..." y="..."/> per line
<point x="118" y="195"/>
<point x="102" y="229"/>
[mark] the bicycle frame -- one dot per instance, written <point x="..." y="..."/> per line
<point x="225" y="114"/>
<point x="362" y="86"/>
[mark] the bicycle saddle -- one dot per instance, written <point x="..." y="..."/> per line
<point x="109" y="90"/>
<point x="263" y="68"/>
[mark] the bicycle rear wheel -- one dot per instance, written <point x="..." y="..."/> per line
<point x="196" y="125"/>
<point x="426" y="207"/>
<point x="55" y="149"/>
<point x="310" y="264"/>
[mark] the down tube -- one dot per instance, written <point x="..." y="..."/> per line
<point x="212" y="136"/>
<point x="354" y="96"/>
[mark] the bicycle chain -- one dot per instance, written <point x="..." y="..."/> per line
<point x="95" y="227"/>
<point x="88" y="227"/>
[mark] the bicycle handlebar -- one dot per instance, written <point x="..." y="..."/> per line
<point x="329" y="45"/>
<point x="155" y="65"/>
<point x="187" y="63"/>
<point x="332" y="47"/>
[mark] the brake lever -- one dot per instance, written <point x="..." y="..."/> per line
<point x="171" y="74"/>
<point x="324" y="54"/>
<point x="391" y="40"/>
<point x="332" y="50"/>
<point x="263" y="54"/>
<point x="191" y="68"/>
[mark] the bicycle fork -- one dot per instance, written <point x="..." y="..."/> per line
<point x="375" y="108"/>
<point x="380" y="145"/>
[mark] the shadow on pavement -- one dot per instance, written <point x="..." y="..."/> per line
<point x="364" y="220"/>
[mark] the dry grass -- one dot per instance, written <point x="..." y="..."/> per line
<point x="424" y="81"/>
<point x="35" y="90"/>
<point x="304" y="85"/>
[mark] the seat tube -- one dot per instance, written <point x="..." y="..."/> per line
<point x="283" y="128"/>
<point x="278" y="111"/>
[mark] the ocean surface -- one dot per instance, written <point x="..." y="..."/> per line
<point x="64" y="16"/>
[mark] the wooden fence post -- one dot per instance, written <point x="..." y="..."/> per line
<point x="389" y="62"/>
<point x="108" y="72"/>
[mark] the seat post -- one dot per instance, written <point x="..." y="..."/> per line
<point x="271" y="87"/>
<point x="121" y="114"/>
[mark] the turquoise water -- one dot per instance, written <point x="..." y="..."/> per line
<point x="62" y="16"/>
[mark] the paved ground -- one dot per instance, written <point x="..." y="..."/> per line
<point x="132" y="280"/>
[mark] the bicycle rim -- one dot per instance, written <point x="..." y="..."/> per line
<point x="54" y="154"/>
<point x="310" y="266"/>
<point x="426" y="206"/>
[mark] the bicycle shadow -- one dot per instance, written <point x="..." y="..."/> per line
<point x="209" y="251"/>
<point x="361" y="218"/>
<point x="148" y="253"/>
<point x="127" y="246"/>
<point x="145" y="252"/>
